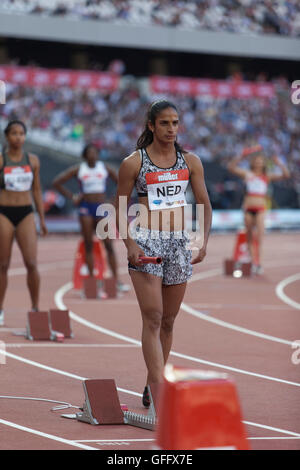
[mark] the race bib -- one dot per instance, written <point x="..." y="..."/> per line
<point x="18" y="178"/>
<point x="257" y="186"/>
<point x="166" y="189"/>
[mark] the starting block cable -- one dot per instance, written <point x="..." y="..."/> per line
<point x="62" y="404"/>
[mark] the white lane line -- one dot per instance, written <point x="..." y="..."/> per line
<point x="280" y="290"/>
<point x="54" y="345"/>
<point x="216" y="321"/>
<point x="60" y="304"/>
<point x="272" y="438"/>
<point x="57" y="371"/>
<point x="271" y="428"/>
<point x="47" y="436"/>
<point x="42" y="267"/>
<point x="130" y="392"/>
<point x="114" y="440"/>
<point x="231" y="326"/>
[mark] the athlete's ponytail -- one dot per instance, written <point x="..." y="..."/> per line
<point x="146" y="138"/>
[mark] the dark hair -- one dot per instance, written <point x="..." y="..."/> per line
<point x="87" y="148"/>
<point x="12" y="123"/>
<point x="146" y="138"/>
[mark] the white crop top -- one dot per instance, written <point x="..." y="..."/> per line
<point x="92" y="180"/>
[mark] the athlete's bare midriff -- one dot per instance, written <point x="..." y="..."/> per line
<point x="169" y="220"/>
<point x="254" y="201"/>
<point x="94" y="198"/>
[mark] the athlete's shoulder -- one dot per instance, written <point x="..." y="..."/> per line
<point x="34" y="160"/>
<point x="131" y="164"/>
<point x="193" y="161"/>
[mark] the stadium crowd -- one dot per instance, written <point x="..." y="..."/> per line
<point x="215" y="129"/>
<point x="239" y="16"/>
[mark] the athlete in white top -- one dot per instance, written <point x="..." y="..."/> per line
<point x="92" y="175"/>
<point x="257" y="181"/>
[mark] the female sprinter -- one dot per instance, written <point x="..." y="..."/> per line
<point x="254" y="205"/>
<point x="92" y="176"/>
<point x="19" y="174"/>
<point x="152" y="169"/>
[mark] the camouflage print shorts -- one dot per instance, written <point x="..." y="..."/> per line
<point x="176" y="265"/>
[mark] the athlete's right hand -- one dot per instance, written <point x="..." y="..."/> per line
<point x="133" y="254"/>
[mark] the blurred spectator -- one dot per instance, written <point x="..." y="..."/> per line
<point x="240" y="16"/>
<point x="215" y="129"/>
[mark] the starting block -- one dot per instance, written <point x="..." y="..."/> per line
<point x="80" y="270"/>
<point x="38" y="327"/>
<point x="240" y="264"/>
<point x="102" y="406"/>
<point x="60" y="321"/>
<point x="91" y="288"/>
<point x="209" y="415"/>
<point x="110" y="287"/>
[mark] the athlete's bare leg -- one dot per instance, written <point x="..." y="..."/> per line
<point x="148" y="289"/>
<point x="172" y="298"/>
<point x="87" y="231"/>
<point x="26" y="237"/>
<point x="249" y="225"/>
<point x="7" y="231"/>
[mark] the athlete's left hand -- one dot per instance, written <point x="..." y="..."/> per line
<point x="43" y="229"/>
<point x="200" y="257"/>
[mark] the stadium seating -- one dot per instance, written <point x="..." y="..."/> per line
<point x="280" y="17"/>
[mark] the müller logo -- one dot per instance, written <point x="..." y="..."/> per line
<point x="2" y="92"/>
<point x="168" y="176"/>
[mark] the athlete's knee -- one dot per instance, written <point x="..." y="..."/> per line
<point x="167" y="324"/>
<point x="30" y="265"/>
<point x="152" y="318"/>
<point x="4" y="265"/>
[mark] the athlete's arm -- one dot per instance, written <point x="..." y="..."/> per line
<point x="201" y="197"/>
<point x="126" y="178"/>
<point x="112" y="173"/>
<point x="285" y="173"/>
<point x="62" y="178"/>
<point x="37" y="192"/>
<point x="233" y="165"/>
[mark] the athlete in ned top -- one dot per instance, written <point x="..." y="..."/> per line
<point x="92" y="175"/>
<point x="160" y="171"/>
<point x="19" y="188"/>
<point x="257" y="180"/>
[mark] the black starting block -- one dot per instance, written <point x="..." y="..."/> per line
<point x="102" y="406"/>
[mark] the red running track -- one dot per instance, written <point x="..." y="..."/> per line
<point x="245" y="327"/>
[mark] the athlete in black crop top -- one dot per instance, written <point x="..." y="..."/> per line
<point x="19" y="182"/>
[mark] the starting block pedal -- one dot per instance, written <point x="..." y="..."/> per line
<point x="38" y="327"/>
<point x="148" y="421"/>
<point x="102" y="406"/>
<point x="90" y="287"/>
<point x="60" y="321"/>
<point x="110" y="287"/>
<point x="237" y="269"/>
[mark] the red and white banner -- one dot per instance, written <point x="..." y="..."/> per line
<point x="214" y="88"/>
<point x="33" y="76"/>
